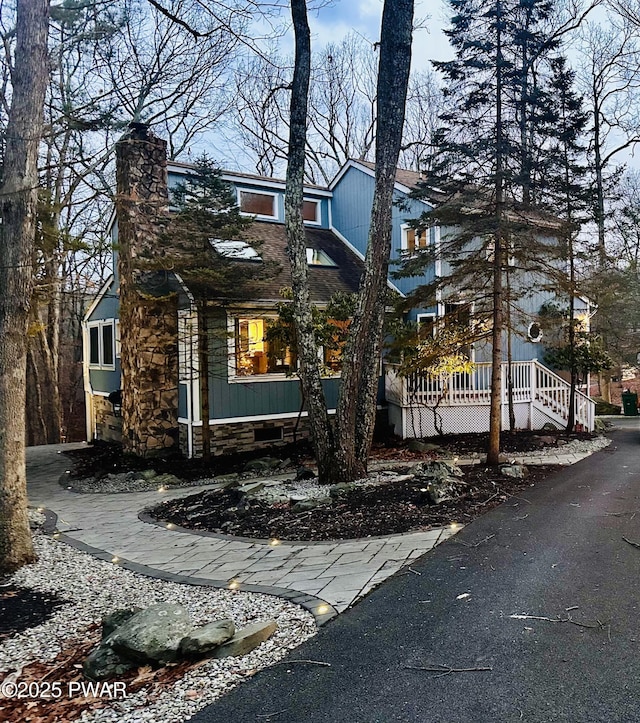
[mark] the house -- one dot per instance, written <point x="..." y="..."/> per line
<point x="254" y="397"/>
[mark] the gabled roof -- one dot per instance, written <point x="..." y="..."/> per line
<point x="324" y="281"/>
<point x="405" y="182"/>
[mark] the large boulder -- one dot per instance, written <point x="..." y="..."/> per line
<point x="152" y="635"/>
<point x="201" y="641"/>
<point x="245" y="640"/>
<point x="104" y="663"/>
<point x="114" y="620"/>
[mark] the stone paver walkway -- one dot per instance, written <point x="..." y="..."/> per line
<point x="325" y="577"/>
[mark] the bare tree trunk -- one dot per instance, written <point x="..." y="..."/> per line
<point x="18" y="201"/>
<point x="310" y="380"/>
<point x="341" y="453"/>
<point x="355" y="415"/>
<point x="495" y="413"/>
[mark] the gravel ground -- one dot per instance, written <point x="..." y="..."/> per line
<point x="95" y="588"/>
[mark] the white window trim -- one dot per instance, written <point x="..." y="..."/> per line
<point x="116" y="338"/>
<point x="427" y="317"/>
<point x="318" y="219"/>
<point x="260" y="217"/>
<point x="100" y="325"/>
<point x="404" y="228"/>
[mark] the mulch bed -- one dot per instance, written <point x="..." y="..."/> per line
<point x="384" y="509"/>
<point x="22" y="608"/>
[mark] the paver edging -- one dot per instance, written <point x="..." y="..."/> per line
<point x="311" y="603"/>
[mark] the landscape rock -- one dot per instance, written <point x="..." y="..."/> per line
<point x="310" y="504"/>
<point x="167" y="480"/>
<point x="251" y="488"/>
<point x="516" y="471"/>
<point x="153" y="634"/>
<point x="305" y="473"/>
<point x="417" y="445"/>
<point x="443" y="489"/>
<point x="201" y="641"/>
<point x="104" y="663"/>
<point x="114" y="620"/>
<point x="245" y="640"/>
<point x="436" y="469"/>
<point x="340" y="489"/>
<point x="262" y="464"/>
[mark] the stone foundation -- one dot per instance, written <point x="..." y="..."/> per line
<point x="108" y="426"/>
<point x="246" y="436"/>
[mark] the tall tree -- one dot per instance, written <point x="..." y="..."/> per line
<point x="568" y="197"/>
<point x="18" y="201"/>
<point x="342" y="448"/>
<point x="487" y="169"/>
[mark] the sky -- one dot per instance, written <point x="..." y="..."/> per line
<point x="341" y="16"/>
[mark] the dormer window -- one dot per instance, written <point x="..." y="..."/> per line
<point x="259" y="204"/>
<point x="317" y="257"/>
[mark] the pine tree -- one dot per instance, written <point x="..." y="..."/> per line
<point x="486" y="172"/>
<point x="567" y="194"/>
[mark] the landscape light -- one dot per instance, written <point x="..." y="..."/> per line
<point x="234" y="585"/>
<point x="115" y="559"/>
<point x="322" y="609"/>
<point x="274" y="541"/>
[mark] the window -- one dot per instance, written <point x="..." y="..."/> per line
<point x="413" y="240"/>
<point x="262" y="205"/>
<point x="534" y="332"/>
<point x="255" y="355"/>
<point x="317" y="257"/>
<point x="102" y="344"/>
<point x="311" y="211"/>
<point x="331" y="355"/>
<point x="426" y="325"/>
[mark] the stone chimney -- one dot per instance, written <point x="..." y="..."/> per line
<point x="148" y="323"/>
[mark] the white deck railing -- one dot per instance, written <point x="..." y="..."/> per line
<point x="531" y="382"/>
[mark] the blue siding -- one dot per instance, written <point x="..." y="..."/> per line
<point x="108" y="306"/>
<point x="250" y="398"/>
<point x="351" y="215"/>
<point x="103" y="380"/>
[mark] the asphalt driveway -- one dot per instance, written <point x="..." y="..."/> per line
<point x="556" y="552"/>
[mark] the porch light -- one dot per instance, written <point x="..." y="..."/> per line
<point x="116" y="402"/>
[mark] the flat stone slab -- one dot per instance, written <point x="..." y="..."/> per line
<point x="245" y="640"/>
